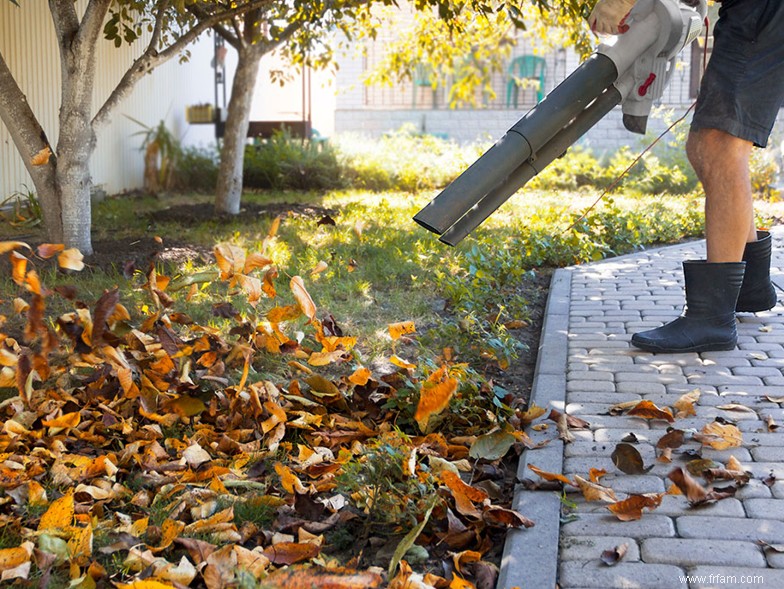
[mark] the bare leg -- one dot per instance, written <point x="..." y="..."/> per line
<point x="722" y="165"/>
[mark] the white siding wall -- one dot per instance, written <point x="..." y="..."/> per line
<point x="28" y="44"/>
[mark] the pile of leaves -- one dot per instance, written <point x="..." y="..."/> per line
<point x="141" y="449"/>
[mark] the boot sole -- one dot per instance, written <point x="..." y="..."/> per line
<point x="709" y="347"/>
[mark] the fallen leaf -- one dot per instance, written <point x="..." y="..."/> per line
<point x="285" y="553"/>
<point x="308" y="577"/>
<point x="289" y="480"/>
<point x="59" y="515"/>
<point x="492" y="446"/>
<point x="594" y="491"/>
<point x="720" y="436"/>
<point x="684" y="406"/>
<point x="674" y="438"/>
<point x="628" y="459"/>
<point x="551" y="476"/>
<point x="434" y="396"/>
<point x="613" y="556"/>
<point x="694" y="491"/>
<point x="47" y="250"/>
<point x="408" y="540"/>
<point x="648" y="410"/>
<point x="630" y="509"/>
<point x="501" y="517"/>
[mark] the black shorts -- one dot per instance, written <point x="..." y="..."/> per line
<point x="743" y="86"/>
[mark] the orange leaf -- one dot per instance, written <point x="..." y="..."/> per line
<point x="595" y="491"/>
<point x="59" y="515"/>
<point x="720" y="436"/>
<point x="360" y="376"/>
<point x="69" y="420"/>
<point x="255" y="260"/>
<point x="146" y="584"/>
<point x="596" y="473"/>
<point x="402" y="328"/>
<point x="318" y="269"/>
<point x="251" y="286"/>
<point x="631" y="508"/>
<point x="685" y="404"/>
<point x="10" y="558"/>
<point x="401" y="363"/>
<point x="303" y="298"/>
<point x="42" y="157"/>
<point x="170" y="530"/>
<point x="47" y="250"/>
<point x="459" y="582"/>
<point x="464" y="495"/>
<point x="291" y="552"/>
<point x="18" y="267"/>
<point x="273" y="230"/>
<point x="71" y="259"/>
<point x="505" y="518"/>
<point x="551" y="476"/>
<point x="693" y="490"/>
<point x="289" y="480"/>
<point x="648" y="410"/>
<point x="306" y="577"/>
<point x="7" y="246"/>
<point x="434" y="396"/>
<point x="230" y="259"/>
<point x="287" y="313"/>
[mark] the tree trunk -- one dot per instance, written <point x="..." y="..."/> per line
<point x="229" y="189"/>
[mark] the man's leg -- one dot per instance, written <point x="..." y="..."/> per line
<point x="721" y="162"/>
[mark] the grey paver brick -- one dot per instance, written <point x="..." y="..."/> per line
<point x="724" y="528"/>
<point x="624" y="575"/>
<point x="678" y="505"/>
<point x="641" y="387"/>
<point x="586" y="385"/>
<point x="764" y="508"/>
<point x="687" y="552"/>
<point x="768" y="453"/>
<point x="775" y="559"/>
<point x="587" y="548"/>
<point x="651" y="526"/>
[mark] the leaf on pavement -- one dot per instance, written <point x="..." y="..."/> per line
<point x="613" y="556"/>
<point x="720" y="436"/>
<point x="630" y="509"/>
<point x="551" y="476"/>
<point x="684" y="406"/>
<point x="595" y="491"/>
<point x="648" y="410"/>
<point x="628" y="459"/>
<point x="693" y="490"/>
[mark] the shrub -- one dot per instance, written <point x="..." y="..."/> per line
<point x="197" y="169"/>
<point x="285" y="162"/>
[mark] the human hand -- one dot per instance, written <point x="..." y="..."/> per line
<point x="608" y="16"/>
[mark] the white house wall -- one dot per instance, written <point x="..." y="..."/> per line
<point x="28" y="44"/>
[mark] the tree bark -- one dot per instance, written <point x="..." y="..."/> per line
<point x="229" y="190"/>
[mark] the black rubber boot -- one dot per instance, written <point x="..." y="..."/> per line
<point x="757" y="292"/>
<point x="708" y="321"/>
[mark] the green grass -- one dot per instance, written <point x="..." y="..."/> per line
<point x="381" y="266"/>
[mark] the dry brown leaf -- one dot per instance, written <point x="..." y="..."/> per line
<point x="684" y="406"/>
<point x="285" y="553"/>
<point x="595" y="491"/>
<point x="289" y="480"/>
<point x="694" y="491"/>
<point x="648" y="410"/>
<point x="303" y="297"/>
<point x="71" y="259"/>
<point x="59" y="515"/>
<point x="630" y="509"/>
<point x="628" y="459"/>
<point x="551" y="476"/>
<point x="307" y="577"/>
<point x="720" y="436"/>
<point x="613" y="556"/>
<point x="230" y="259"/>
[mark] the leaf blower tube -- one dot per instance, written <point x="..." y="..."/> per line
<point x="553" y="149"/>
<point x="521" y="142"/>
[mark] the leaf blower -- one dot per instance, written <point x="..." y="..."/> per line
<point x="633" y="72"/>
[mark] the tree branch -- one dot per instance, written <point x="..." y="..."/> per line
<point x="92" y="23"/>
<point x="151" y="58"/>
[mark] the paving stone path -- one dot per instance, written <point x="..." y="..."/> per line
<point x="586" y="365"/>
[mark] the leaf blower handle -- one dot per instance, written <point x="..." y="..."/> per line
<point x="608" y="16"/>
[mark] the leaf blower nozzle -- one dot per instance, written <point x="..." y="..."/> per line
<point x="632" y="72"/>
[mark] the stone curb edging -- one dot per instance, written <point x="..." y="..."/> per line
<point x="532" y="554"/>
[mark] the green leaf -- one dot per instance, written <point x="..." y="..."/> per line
<point x="492" y="446"/>
<point x="408" y="540"/>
